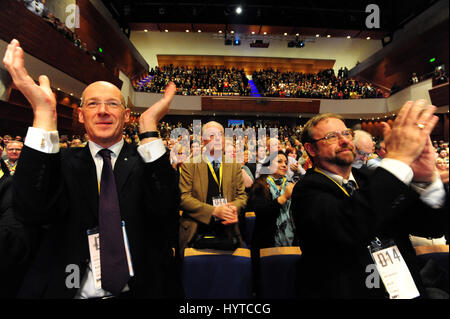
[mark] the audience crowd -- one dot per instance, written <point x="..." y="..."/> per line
<point x="323" y="85"/>
<point x="196" y="81"/>
<point x="288" y="141"/>
<point x="38" y="7"/>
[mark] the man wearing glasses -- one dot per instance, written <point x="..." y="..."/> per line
<point x="109" y="210"/>
<point x="339" y="210"/>
<point x="364" y="147"/>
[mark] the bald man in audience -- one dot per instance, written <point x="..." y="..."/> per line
<point x="212" y="197"/>
<point x="13" y="150"/>
<point x="110" y="209"/>
<point x="364" y="147"/>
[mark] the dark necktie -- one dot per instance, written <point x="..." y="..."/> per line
<point x="216" y="166"/>
<point x="350" y="187"/>
<point x="113" y="259"/>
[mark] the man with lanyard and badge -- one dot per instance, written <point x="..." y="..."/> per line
<point x="109" y="210"/>
<point x="212" y="196"/>
<point x="353" y="225"/>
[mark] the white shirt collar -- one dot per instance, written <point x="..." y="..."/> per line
<point x="338" y="178"/>
<point x="95" y="148"/>
<point x="211" y="159"/>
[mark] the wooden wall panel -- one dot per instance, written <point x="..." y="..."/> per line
<point x="17" y="114"/>
<point x="399" y="64"/>
<point x="96" y="32"/>
<point x="439" y="95"/>
<point x="249" y="64"/>
<point x="48" y="45"/>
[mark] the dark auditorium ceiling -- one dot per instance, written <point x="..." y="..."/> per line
<point x="306" y="17"/>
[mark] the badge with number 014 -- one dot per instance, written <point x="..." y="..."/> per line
<point x="393" y="270"/>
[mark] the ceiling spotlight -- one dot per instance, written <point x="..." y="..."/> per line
<point x="166" y="30"/>
<point x="199" y="31"/>
<point x="238" y="10"/>
<point x="328" y="36"/>
<point x="297" y="34"/>
<point x="300" y="44"/>
<point x="220" y="31"/>
<point x="187" y="30"/>
<point x="253" y="32"/>
<point x="232" y="32"/>
<point x="317" y="35"/>
<point x="265" y="33"/>
<point x="285" y="33"/>
<point x="58" y="89"/>
<point x="145" y="30"/>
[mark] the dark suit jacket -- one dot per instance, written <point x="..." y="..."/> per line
<point x="334" y="230"/>
<point x="61" y="191"/>
<point x="14" y="243"/>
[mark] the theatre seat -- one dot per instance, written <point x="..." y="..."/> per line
<point x="433" y="265"/>
<point x="439" y="253"/>
<point x="278" y="272"/>
<point x="249" y="226"/>
<point x="216" y="274"/>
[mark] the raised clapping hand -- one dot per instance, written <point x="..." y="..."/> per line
<point x="40" y="96"/>
<point x="148" y="120"/>
<point x="409" y="139"/>
<point x="410" y="131"/>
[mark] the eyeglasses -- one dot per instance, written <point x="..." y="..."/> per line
<point x="96" y="104"/>
<point x="362" y="153"/>
<point x="333" y="137"/>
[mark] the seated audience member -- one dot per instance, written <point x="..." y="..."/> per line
<point x="414" y="79"/>
<point x="295" y="170"/>
<point x="4" y="171"/>
<point x="37" y="7"/>
<point x="76" y="142"/>
<point x="247" y="174"/>
<point x="380" y="153"/>
<point x="364" y="146"/>
<point x="270" y="199"/>
<point x="14" y="245"/>
<point x="212" y="197"/>
<point x="443" y="155"/>
<point x="339" y="211"/>
<point x="6" y="140"/>
<point x="13" y="150"/>
<point x="442" y="168"/>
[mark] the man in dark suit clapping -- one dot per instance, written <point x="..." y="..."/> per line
<point x="110" y="209"/>
<point x="339" y="211"/>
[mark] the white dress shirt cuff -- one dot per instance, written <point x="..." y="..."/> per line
<point x="399" y="169"/>
<point x="433" y="194"/>
<point x="42" y="140"/>
<point x="152" y="151"/>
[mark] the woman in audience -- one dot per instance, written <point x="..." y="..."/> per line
<point x="295" y="170"/>
<point x="270" y="199"/>
<point x="443" y="170"/>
